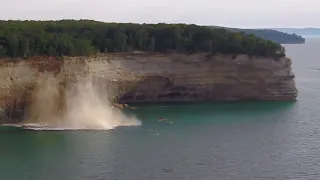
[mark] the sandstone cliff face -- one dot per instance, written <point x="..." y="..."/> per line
<point x="152" y="78"/>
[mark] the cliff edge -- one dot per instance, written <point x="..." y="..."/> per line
<point x="151" y="77"/>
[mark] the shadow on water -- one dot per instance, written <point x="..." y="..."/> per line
<point x="213" y="112"/>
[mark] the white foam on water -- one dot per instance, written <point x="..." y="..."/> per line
<point x="79" y="106"/>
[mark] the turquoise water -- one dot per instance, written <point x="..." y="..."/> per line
<point x="252" y="140"/>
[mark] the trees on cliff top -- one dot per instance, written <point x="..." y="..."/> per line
<point x="86" y="37"/>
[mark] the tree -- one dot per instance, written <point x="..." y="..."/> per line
<point x="25" y="47"/>
<point x="143" y="38"/>
<point x="177" y="37"/>
<point x="152" y="44"/>
<point x="121" y="41"/>
<point x="13" y="45"/>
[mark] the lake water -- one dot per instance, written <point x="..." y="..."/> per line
<point x="203" y="141"/>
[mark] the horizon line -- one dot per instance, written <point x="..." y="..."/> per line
<point x="182" y="22"/>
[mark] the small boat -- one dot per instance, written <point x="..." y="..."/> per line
<point x="161" y="119"/>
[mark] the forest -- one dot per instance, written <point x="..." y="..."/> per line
<point x="276" y="36"/>
<point x="87" y="37"/>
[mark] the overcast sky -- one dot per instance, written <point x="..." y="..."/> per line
<point x="233" y="13"/>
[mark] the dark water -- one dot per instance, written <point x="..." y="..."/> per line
<point x="228" y="141"/>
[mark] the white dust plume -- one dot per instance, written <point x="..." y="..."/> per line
<point x="80" y="105"/>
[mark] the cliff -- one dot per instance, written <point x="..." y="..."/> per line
<point x="144" y="77"/>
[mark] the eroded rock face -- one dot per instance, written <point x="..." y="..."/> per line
<point x="136" y="78"/>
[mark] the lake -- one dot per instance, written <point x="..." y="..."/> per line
<point x="201" y="141"/>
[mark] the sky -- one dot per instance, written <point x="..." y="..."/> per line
<point x="230" y="13"/>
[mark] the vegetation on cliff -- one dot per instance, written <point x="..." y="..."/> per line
<point x="86" y="37"/>
<point x="273" y="35"/>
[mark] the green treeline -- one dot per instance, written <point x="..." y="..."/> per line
<point x="276" y="36"/>
<point x="86" y="37"/>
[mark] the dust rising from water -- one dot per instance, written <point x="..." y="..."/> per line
<point x="80" y="105"/>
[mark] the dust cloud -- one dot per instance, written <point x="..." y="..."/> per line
<point x="84" y="104"/>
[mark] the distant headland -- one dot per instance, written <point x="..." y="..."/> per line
<point x="275" y="35"/>
<point x="301" y="31"/>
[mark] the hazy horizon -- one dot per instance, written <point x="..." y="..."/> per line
<point x="227" y="13"/>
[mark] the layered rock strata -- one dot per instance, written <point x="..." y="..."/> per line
<point x="145" y="77"/>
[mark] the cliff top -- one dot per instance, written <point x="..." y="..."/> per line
<point x="86" y="37"/>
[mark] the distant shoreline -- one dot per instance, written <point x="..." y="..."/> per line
<point x="300" y="31"/>
<point x="311" y="36"/>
